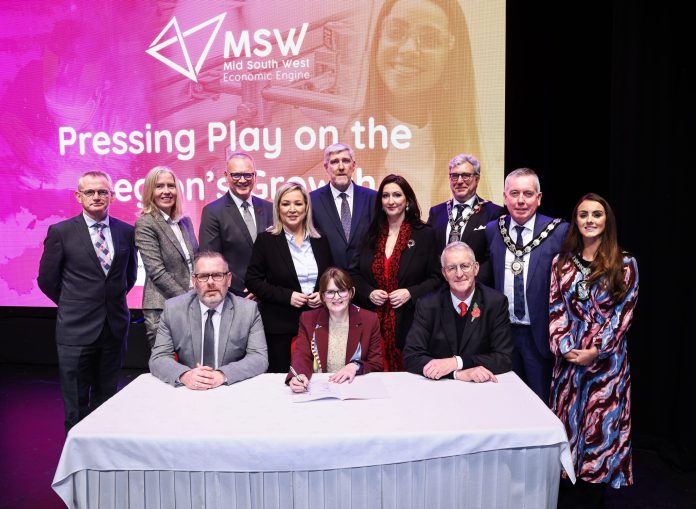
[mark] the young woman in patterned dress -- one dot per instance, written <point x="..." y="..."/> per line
<point x="594" y="289"/>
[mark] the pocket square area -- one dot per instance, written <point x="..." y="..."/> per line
<point x="482" y="227"/>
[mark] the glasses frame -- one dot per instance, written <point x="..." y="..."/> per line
<point x="238" y="176"/>
<point x="464" y="267"/>
<point x="466" y="177"/>
<point x="89" y="193"/>
<point x="336" y="293"/>
<point x="217" y="276"/>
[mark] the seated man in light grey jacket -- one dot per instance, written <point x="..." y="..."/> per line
<point x="217" y="337"/>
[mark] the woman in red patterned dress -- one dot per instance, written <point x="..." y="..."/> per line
<point x="594" y="289"/>
<point x="397" y="263"/>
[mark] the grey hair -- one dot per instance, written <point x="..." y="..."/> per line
<point x="240" y="155"/>
<point x="457" y="246"/>
<point x="335" y="149"/>
<point x="524" y="172"/>
<point x="460" y="159"/>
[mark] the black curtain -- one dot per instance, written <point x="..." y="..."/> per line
<point x="600" y="97"/>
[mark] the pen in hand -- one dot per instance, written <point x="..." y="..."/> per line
<point x="297" y="377"/>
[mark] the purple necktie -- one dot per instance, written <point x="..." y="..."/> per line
<point x="101" y="247"/>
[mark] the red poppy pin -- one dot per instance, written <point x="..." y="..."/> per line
<point x="476" y="312"/>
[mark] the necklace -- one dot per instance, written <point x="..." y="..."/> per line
<point x="517" y="265"/>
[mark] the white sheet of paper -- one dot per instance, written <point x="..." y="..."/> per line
<point x="362" y="387"/>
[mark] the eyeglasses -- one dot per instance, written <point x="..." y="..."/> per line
<point x="454" y="269"/>
<point x="346" y="161"/>
<point x="332" y="294"/>
<point x="217" y="277"/>
<point x="426" y="37"/>
<point x="466" y="177"/>
<point x="89" y="193"/>
<point x="238" y="176"/>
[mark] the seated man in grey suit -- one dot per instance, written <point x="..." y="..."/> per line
<point x="217" y="336"/>
<point x="461" y="331"/>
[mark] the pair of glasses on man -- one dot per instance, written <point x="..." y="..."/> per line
<point x="345" y="160"/>
<point x="204" y="277"/>
<point x="454" y="269"/>
<point x="89" y="193"/>
<point x="238" y="176"/>
<point x="466" y="177"/>
<point x="426" y="37"/>
<point x="336" y="294"/>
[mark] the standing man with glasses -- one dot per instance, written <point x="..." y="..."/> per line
<point x="217" y="337"/>
<point x="463" y="330"/>
<point x="88" y="266"/>
<point x="465" y="216"/>
<point x="343" y="210"/>
<point x="230" y="224"/>
<point x="522" y="246"/>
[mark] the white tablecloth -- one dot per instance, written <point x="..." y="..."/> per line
<point x="249" y="445"/>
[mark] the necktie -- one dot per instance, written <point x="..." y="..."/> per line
<point x="101" y="247"/>
<point x="248" y="220"/>
<point x="345" y="214"/>
<point x="462" y="308"/>
<point x="456" y="232"/>
<point x="209" y="341"/>
<point x="519" y="279"/>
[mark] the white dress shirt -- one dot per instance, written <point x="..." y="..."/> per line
<point x="338" y="201"/>
<point x="238" y="202"/>
<point x="470" y="203"/>
<point x="509" y="283"/>
<point x="174" y="225"/>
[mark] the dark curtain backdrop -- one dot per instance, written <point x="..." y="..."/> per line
<point x="600" y="97"/>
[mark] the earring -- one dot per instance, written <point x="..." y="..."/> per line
<point x="407" y="207"/>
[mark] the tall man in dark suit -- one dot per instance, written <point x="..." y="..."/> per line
<point x="461" y="331"/>
<point x="342" y="210"/>
<point x="465" y="216"/>
<point x="522" y="246"/>
<point x="229" y="225"/>
<point x="88" y="266"/>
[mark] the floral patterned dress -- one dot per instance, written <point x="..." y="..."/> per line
<point x="594" y="402"/>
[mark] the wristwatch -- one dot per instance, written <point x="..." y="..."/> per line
<point x="359" y="365"/>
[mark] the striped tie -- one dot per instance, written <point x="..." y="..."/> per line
<point x="101" y="247"/>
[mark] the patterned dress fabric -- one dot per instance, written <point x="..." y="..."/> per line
<point x="594" y="402"/>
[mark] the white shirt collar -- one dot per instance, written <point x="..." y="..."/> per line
<point x="336" y="192"/>
<point x="529" y="224"/>
<point x="167" y="218"/>
<point x="456" y="301"/>
<point x="470" y="202"/>
<point x="204" y="308"/>
<point x="91" y="221"/>
<point x="238" y="201"/>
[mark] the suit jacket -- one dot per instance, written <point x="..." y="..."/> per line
<point x="474" y="234"/>
<point x="419" y="272"/>
<point x="241" y="346"/>
<point x="486" y="340"/>
<point x="328" y="221"/>
<point x="272" y="278"/>
<point x="363" y="338"/>
<point x="165" y="263"/>
<point x="223" y="230"/>
<point x="538" y="273"/>
<point x="71" y="276"/>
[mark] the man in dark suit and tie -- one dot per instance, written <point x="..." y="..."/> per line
<point x="461" y="331"/>
<point x="229" y="225"/>
<point x="218" y="338"/>
<point x="465" y="216"/>
<point x="522" y="246"/>
<point x="88" y="266"/>
<point x="342" y="210"/>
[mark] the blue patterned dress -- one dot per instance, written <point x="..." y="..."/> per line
<point x="594" y="402"/>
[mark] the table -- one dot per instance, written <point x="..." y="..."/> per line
<point x="431" y="444"/>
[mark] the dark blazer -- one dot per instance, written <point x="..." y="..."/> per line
<point x="538" y="275"/>
<point x="474" y="234"/>
<point x="223" y="230"/>
<point x="363" y="332"/>
<point x="165" y="262"/>
<point x="71" y="276"/>
<point x="272" y="278"/>
<point x="419" y="273"/>
<point x="327" y="220"/>
<point x="486" y="340"/>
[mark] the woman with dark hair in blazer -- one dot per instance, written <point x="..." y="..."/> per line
<point x="339" y="338"/>
<point x="284" y="271"/>
<point x="397" y="264"/>
<point x="167" y="245"/>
